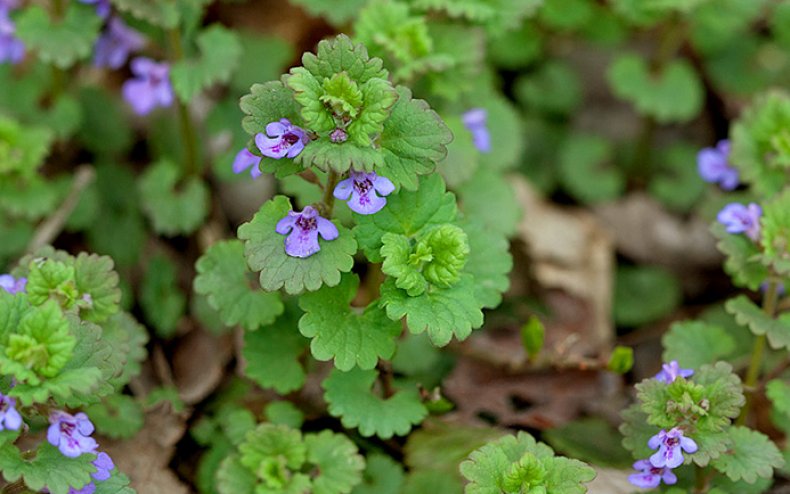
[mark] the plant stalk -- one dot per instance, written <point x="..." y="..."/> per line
<point x="329" y="198"/>
<point x="186" y="126"/>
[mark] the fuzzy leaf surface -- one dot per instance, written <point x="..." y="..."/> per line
<point x="751" y="455"/>
<point x="337" y="461"/>
<point x="695" y="343"/>
<point x="48" y="468"/>
<point x="747" y="313"/>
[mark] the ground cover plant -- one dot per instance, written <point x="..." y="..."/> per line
<point x="394" y="246"/>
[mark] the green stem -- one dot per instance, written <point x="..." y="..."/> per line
<point x="329" y="198"/>
<point x="58" y="74"/>
<point x="700" y="480"/>
<point x="186" y="125"/>
<point x="753" y="372"/>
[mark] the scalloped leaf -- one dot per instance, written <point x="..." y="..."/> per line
<point x="350" y="397"/>
<point x="48" y="468"/>
<point x="495" y="15"/>
<point x="337" y="461"/>
<point x="413" y="140"/>
<point x="340" y="332"/>
<point x="174" y="205"/>
<point x="382" y="475"/>
<point x="233" y="478"/>
<point x="61" y="43"/>
<point x="95" y="277"/>
<point x="220" y="52"/>
<point x="118" y="483"/>
<point x="743" y="258"/>
<point x="127" y="338"/>
<point x="489" y="199"/>
<point x="777" y="330"/>
<point x="695" y="343"/>
<point x="336" y="12"/>
<point x="441" y="312"/>
<point x="265" y="252"/>
<point x="406" y="213"/>
<point x="162" y="13"/>
<point x="117" y="416"/>
<point x="489" y="263"/>
<point x="751" y="455"/>
<point x="272" y="354"/>
<point x="586" y="171"/>
<point x="223" y="276"/>
<point x="161" y="298"/>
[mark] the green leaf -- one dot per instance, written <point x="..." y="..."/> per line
<point x="441" y="446"/>
<point x="22" y="148"/>
<point x="50" y="279"/>
<point x="276" y="453"/>
<point x="489" y="262"/>
<point x="636" y="431"/>
<point x="778" y="392"/>
<point x="220" y="52"/>
<point x="743" y="258"/>
<point x="644" y="294"/>
<point x="495" y="15"/>
<point x="343" y="333"/>
<point x="554" y="88"/>
<point x="272" y="354"/>
<point x="336" y="12"/>
<point x="285" y="413"/>
<point x="413" y="140"/>
<point x="127" y="338"/>
<point x="233" y="478"/>
<point x="489" y="199"/>
<point x="104" y="129"/>
<point x="751" y="455"/>
<point x="263" y="58"/>
<point x="265" y="252"/>
<point x="175" y="206"/>
<point x="224" y="278"/>
<point x="748" y="314"/>
<point x="337" y="461"/>
<point x="506" y="129"/>
<point x="532" y="336"/>
<point x="117" y="416"/>
<point x="97" y="284"/>
<point x="462" y="159"/>
<point x="677" y="185"/>
<point x="465" y="47"/>
<point x="118" y="483"/>
<point x="162" y="13"/>
<point x="350" y="397"/>
<point x="775" y="230"/>
<point x="586" y="169"/>
<point x="592" y="440"/>
<point x="621" y="360"/>
<point x="61" y="43"/>
<point x="518" y="463"/>
<point x="162" y="300"/>
<point x="407" y="213"/>
<point x="382" y="475"/>
<point x="674" y="95"/>
<point x="695" y="343"/>
<point x="48" y="468"/>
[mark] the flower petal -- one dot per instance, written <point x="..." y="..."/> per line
<point x="342" y="191"/>
<point x="383" y="185"/>
<point x="327" y="229"/>
<point x="286" y="224"/>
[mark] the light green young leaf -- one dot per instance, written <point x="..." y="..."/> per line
<point x="285" y="413"/>
<point x="407" y="213"/>
<point x="224" y="278"/>
<point x="22" y="148"/>
<point x="220" y="52"/>
<point x="778" y="392"/>
<point x="462" y="159"/>
<point x="265" y="252"/>
<point x="747" y="313"/>
<point x="554" y="88"/>
<point x="104" y="129"/>
<point x="272" y="354"/>
<point x="97" y="284"/>
<point x="442" y="312"/>
<point x="674" y="95"/>
<point x="337" y="461"/>
<point x="52" y="280"/>
<point x="118" y="416"/>
<point x="162" y="13"/>
<point x="695" y="343"/>
<point x="337" y="12"/>
<point x="350" y="397"/>
<point x="276" y="453"/>
<point x="343" y="333"/>
<point x="162" y="300"/>
<point x="233" y="478"/>
<point x="751" y="455"/>
<point x="413" y="140"/>
<point x="118" y="483"/>
<point x="775" y="229"/>
<point x="263" y="59"/>
<point x="586" y="171"/>
<point x="48" y="468"/>
<point x="464" y="46"/>
<point x="382" y="475"/>
<point x="175" y="206"/>
<point x="61" y="43"/>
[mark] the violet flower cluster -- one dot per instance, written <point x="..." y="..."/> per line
<point x="669" y="445"/>
<point x="714" y="166"/>
<point x="12" y="49"/>
<point x="738" y="218"/>
<point x="104" y="466"/>
<point x="116" y="43"/>
<point x="150" y="86"/>
<point x="71" y="435"/>
<point x="475" y="121"/>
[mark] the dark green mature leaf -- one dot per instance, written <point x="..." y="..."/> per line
<point x="351" y="398"/>
<point x="586" y="169"/>
<point x="63" y="42"/>
<point x="220" y="52"/>
<point x="127" y="338"/>
<point x="162" y="300"/>
<point x="117" y="484"/>
<point x="495" y="15"/>
<point x="743" y="258"/>
<point x="382" y="475"/>
<point x="336" y="12"/>
<point x="265" y="252"/>
<point x="340" y="332"/>
<point x="695" y="343"/>
<point x="174" y="205"/>
<point x="747" y="313"/>
<point x="233" y="478"/>
<point x="117" y="416"/>
<point x="337" y="461"/>
<point x="462" y="158"/>
<point x="223" y="277"/>
<point x="644" y="294"/>
<point x="104" y="129"/>
<point x="489" y="199"/>
<point x="592" y="440"/>
<point x="97" y="283"/>
<point x="751" y="455"/>
<point x="48" y="468"/>
<point x="489" y="259"/>
<point x="162" y="13"/>
<point x="554" y="88"/>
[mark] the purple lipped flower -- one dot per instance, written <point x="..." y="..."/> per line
<point x="738" y="218"/>
<point x="12" y="285"/>
<point x="89" y="488"/>
<point x="150" y="87"/>
<point x="304" y="229"/>
<point x="651" y="476"/>
<point x="12" y="49"/>
<point x="282" y="139"/>
<point x="104" y="466"/>
<point x="71" y="433"/>
<point x="360" y="189"/>
<point x="475" y="121"/>
<point x="714" y="166"/>
<point x="245" y="159"/>
<point x="671" y="371"/>
<point x="116" y="43"/>
<point x="9" y="417"/>
<point x="669" y="446"/>
<point x="103" y="7"/>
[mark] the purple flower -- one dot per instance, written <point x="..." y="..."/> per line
<point x="284" y="140"/>
<point x="714" y="167"/>
<point x="89" y="488"/>
<point x="11" y="48"/>
<point x="738" y="218"/>
<point x="360" y="188"/>
<point x="116" y="43"/>
<point x="71" y="433"/>
<point x="245" y="159"/>
<point x="475" y="121"/>
<point x="103" y="7"/>
<point x="104" y="465"/>
<point x="650" y="476"/>
<point x="150" y="87"/>
<point x="669" y="445"/>
<point x="11" y="285"/>
<point x="338" y="135"/>
<point x="9" y="417"/>
<point x="304" y="228"/>
<point x="671" y="371"/>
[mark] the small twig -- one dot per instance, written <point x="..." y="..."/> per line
<point x="49" y="230"/>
